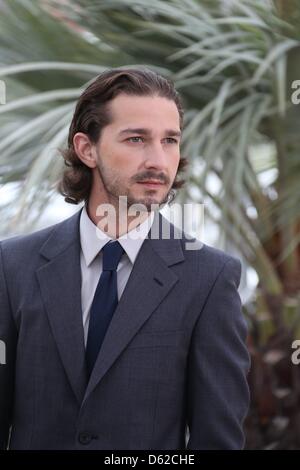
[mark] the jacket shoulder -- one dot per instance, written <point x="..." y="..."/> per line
<point x="23" y="242"/>
<point x="20" y="246"/>
<point x="194" y="247"/>
<point x="203" y="255"/>
<point x="211" y="259"/>
<point x="219" y="255"/>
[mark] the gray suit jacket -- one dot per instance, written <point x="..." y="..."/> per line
<point x="172" y="370"/>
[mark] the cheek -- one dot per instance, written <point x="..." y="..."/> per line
<point x="126" y="160"/>
<point x="124" y="167"/>
<point x="174" y="163"/>
<point x="115" y="159"/>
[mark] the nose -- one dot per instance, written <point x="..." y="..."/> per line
<point x="156" y="157"/>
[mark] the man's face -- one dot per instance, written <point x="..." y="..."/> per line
<point x="140" y="144"/>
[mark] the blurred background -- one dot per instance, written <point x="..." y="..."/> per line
<point x="236" y="64"/>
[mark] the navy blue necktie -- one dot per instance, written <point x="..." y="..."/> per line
<point x="104" y="303"/>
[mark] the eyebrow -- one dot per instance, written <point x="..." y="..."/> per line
<point x="143" y="131"/>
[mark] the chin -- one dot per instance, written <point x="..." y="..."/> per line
<point x="145" y="202"/>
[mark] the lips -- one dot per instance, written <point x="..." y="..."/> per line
<point x="151" y="184"/>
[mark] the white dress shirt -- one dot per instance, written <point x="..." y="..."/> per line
<point x="92" y="240"/>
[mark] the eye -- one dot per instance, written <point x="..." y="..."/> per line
<point x="171" y="140"/>
<point x="134" y="139"/>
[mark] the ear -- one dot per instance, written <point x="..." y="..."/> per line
<point x="84" y="149"/>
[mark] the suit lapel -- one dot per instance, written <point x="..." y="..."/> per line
<point x="60" y="284"/>
<point x="150" y="281"/>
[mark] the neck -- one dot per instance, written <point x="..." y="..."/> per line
<point x="114" y="221"/>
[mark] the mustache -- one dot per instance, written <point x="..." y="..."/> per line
<point x="152" y="176"/>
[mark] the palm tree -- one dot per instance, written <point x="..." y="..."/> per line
<point x="235" y="64"/>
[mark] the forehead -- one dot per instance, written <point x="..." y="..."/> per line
<point x="142" y="110"/>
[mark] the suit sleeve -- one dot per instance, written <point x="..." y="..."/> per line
<point x="7" y="359"/>
<point x="218" y="365"/>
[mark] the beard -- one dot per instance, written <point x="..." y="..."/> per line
<point x="115" y="187"/>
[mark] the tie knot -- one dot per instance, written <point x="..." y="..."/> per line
<point x="112" y="253"/>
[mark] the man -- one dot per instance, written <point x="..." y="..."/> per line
<point x="117" y="339"/>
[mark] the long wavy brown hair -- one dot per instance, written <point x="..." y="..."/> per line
<point x="92" y="114"/>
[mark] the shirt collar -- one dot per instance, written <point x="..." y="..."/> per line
<point x="93" y="239"/>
